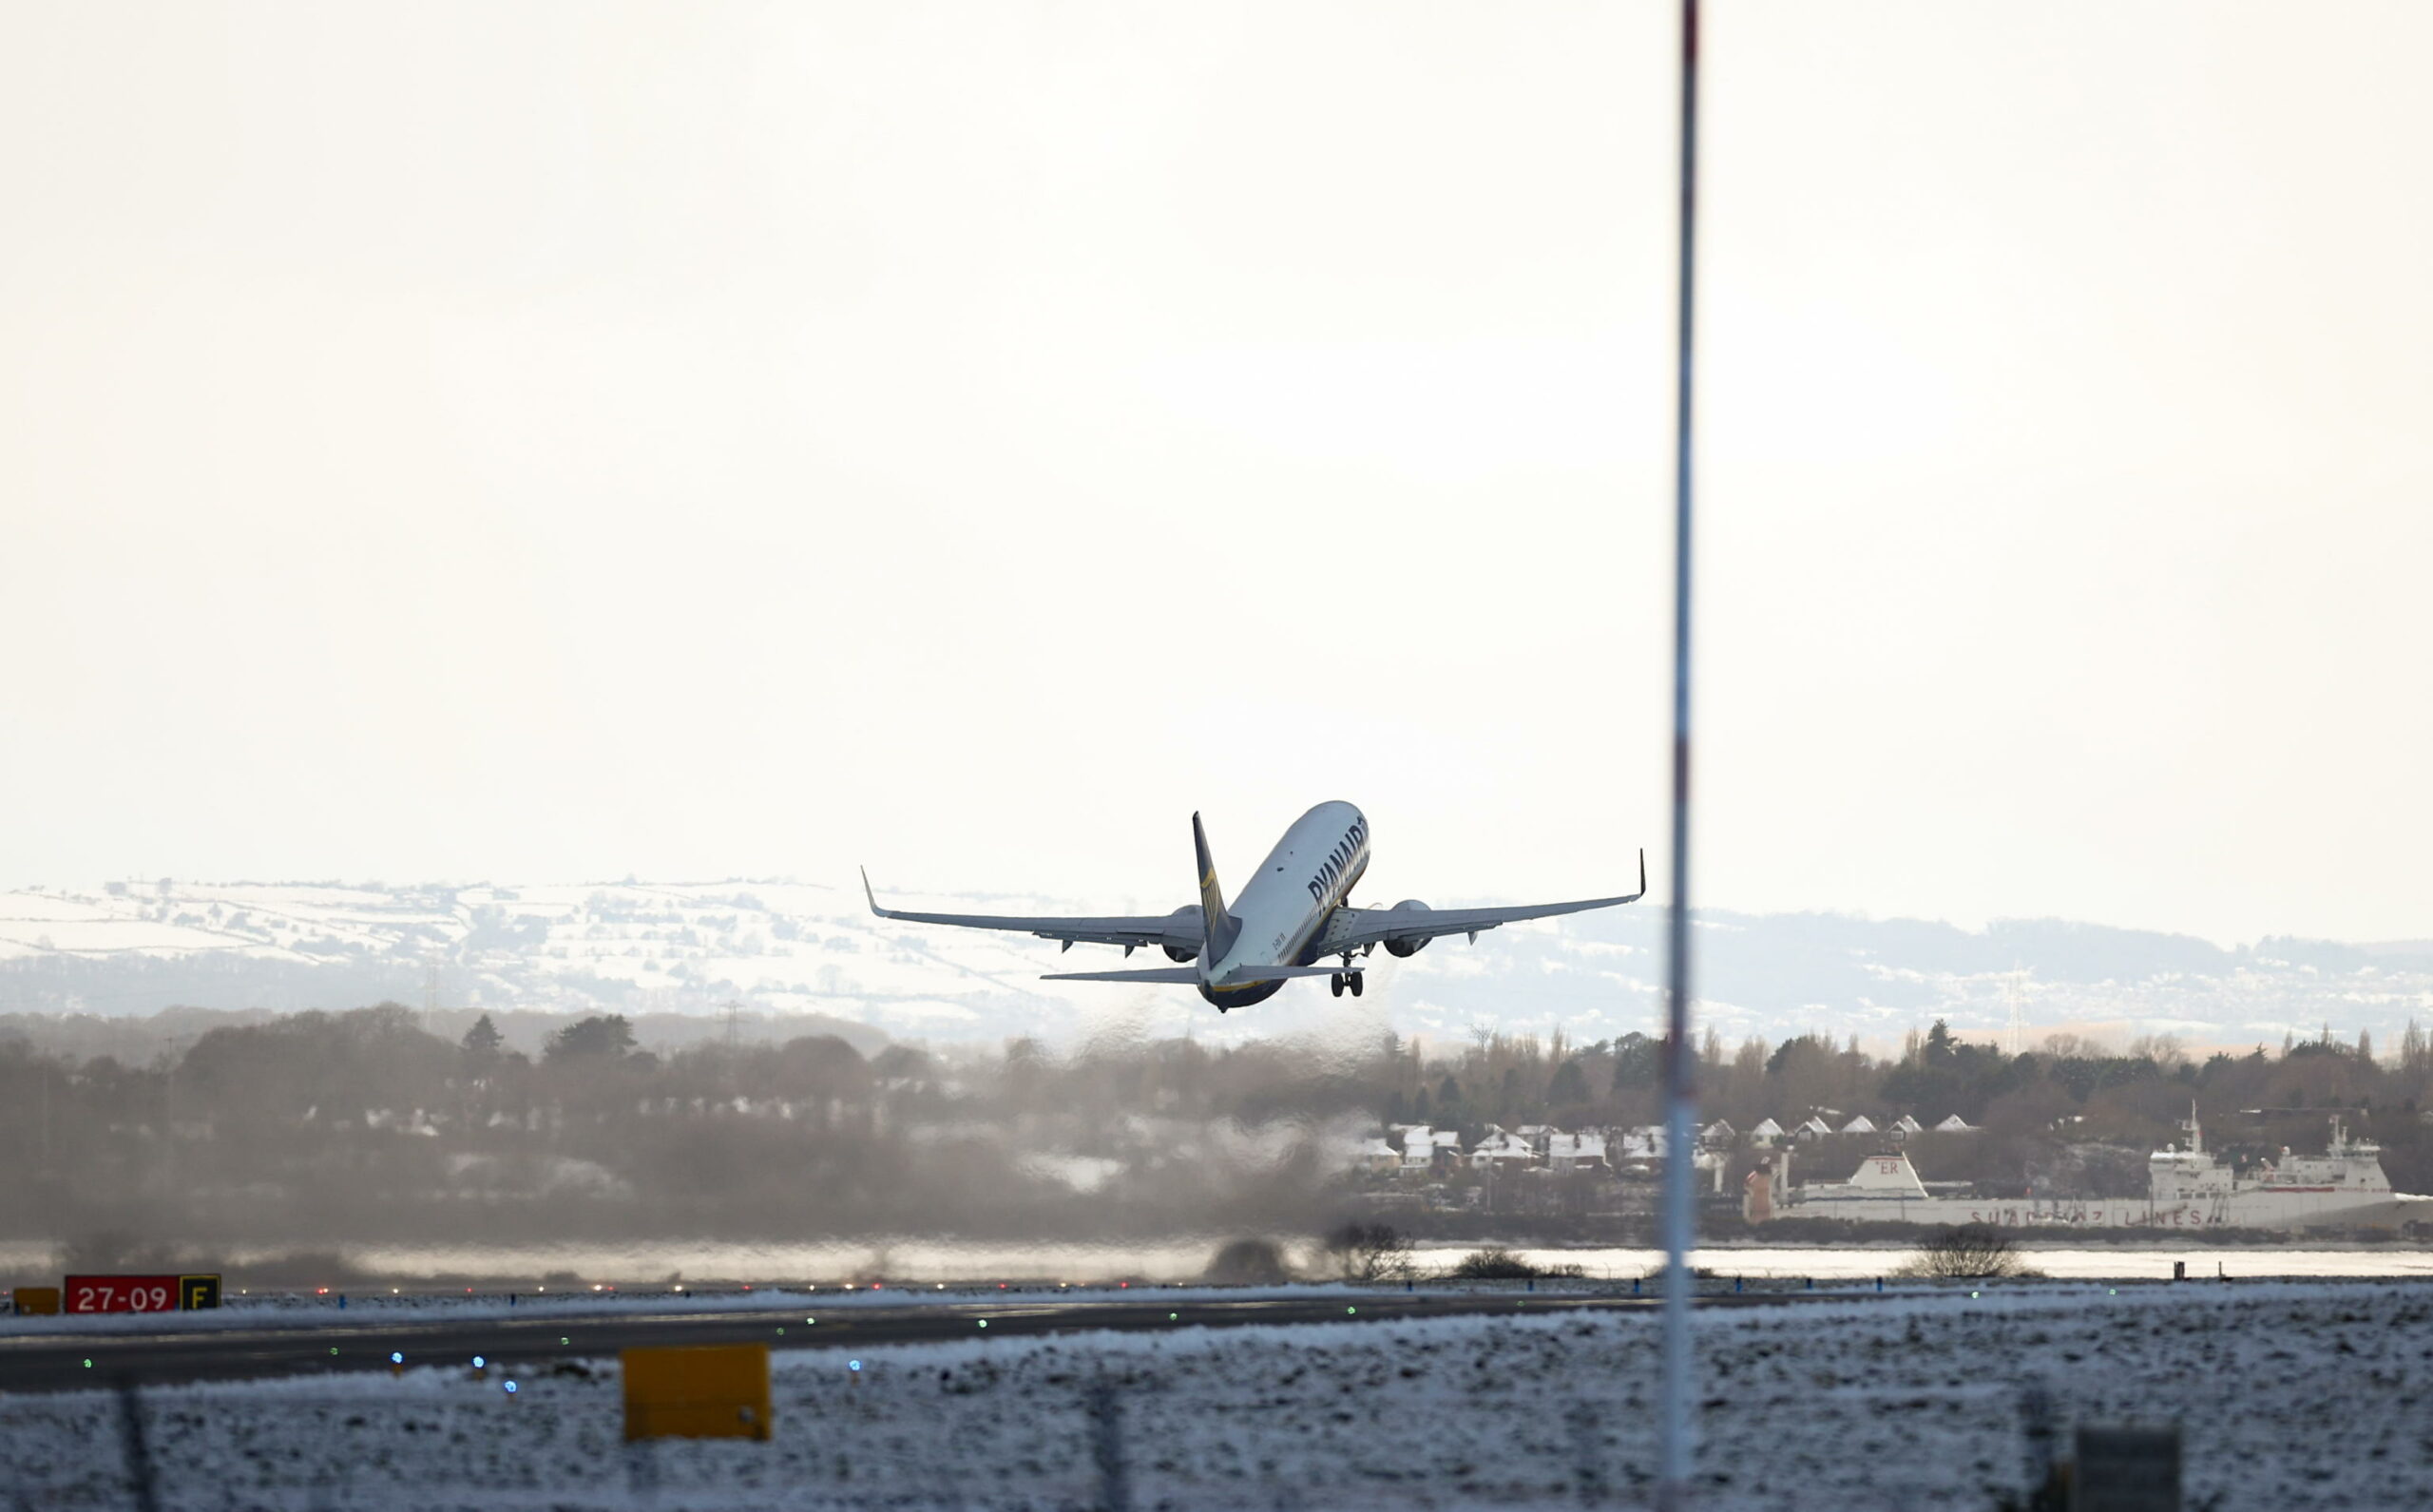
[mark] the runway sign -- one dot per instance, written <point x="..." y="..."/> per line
<point x="121" y="1293"/>
<point x="707" y="1391"/>
<point x="142" y="1294"/>
<point x="32" y="1300"/>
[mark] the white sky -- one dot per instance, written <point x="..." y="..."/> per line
<point x="561" y="441"/>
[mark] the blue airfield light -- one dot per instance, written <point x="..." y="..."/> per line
<point x="853" y="1364"/>
<point x="510" y="1388"/>
<point x="395" y="1358"/>
<point x="477" y="1362"/>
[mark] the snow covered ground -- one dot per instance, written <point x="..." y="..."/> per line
<point x="2292" y="1395"/>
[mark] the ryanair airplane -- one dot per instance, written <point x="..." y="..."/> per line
<point x="1295" y="912"/>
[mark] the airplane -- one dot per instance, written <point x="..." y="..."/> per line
<point x="1295" y="913"/>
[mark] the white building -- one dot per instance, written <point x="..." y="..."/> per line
<point x="1421" y="1146"/>
<point x="1500" y="1150"/>
<point x="1376" y="1155"/>
<point x="1646" y="1143"/>
<point x="1576" y="1152"/>
<point x="1768" y="1132"/>
<point x="1814" y="1129"/>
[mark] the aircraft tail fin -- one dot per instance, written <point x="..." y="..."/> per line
<point x="1222" y="926"/>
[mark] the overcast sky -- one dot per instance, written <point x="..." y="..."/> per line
<point x="565" y="441"/>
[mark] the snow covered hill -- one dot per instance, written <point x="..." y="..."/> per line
<point x="780" y="947"/>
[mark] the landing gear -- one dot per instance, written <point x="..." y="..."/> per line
<point x="1346" y="980"/>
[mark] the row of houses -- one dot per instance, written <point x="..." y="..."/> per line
<point x="1418" y="1149"/>
<point x="1721" y="1135"/>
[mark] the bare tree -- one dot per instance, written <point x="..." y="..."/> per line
<point x="1370" y="1251"/>
<point x="1248" y="1262"/>
<point x="1973" y="1252"/>
<point x="2168" y="1051"/>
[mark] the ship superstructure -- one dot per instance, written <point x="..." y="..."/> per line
<point x="2344" y="1185"/>
<point x="2188" y="1188"/>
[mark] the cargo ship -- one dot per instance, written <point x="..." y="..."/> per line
<point x="2343" y="1187"/>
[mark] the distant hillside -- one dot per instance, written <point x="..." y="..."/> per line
<point x="788" y="949"/>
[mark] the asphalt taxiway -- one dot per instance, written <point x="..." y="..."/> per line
<point x="69" y="1360"/>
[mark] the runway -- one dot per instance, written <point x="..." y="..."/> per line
<point x="56" y="1361"/>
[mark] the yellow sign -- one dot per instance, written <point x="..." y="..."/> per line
<point x="198" y="1292"/>
<point x="706" y="1391"/>
<point x="37" y="1300"/>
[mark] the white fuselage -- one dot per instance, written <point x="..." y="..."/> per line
<point x="1284" y="908"/>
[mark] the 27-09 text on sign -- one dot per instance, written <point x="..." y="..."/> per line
<point x="126" y="1293"/>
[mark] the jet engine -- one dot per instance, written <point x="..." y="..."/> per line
<point x="1182" y="915"/>
<point x="1398" y="947"/>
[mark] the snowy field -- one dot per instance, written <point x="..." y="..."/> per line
<point x="2292" y="1395"/>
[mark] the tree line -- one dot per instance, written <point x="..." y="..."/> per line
<point x="322" y="1127"/>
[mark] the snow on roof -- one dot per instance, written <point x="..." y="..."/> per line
<point x="1955" y="1124"/>
<point x="1859" y="1125"/>
<point x="1768" y="1130"/>
<point x="1906" y="1124"/>
<point x="1718" y="1130"/>
<point x="1814" y="1125"/>
<point x="1499" y="1145"/>
<point x="1575" y="1147"/>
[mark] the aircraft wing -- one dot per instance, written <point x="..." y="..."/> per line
<point x="1358" y="929"/>
<point x="1181" y="930"/>
<point x="1182" y="975"/>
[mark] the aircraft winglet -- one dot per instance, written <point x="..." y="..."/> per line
<point x="866" y="893"/>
